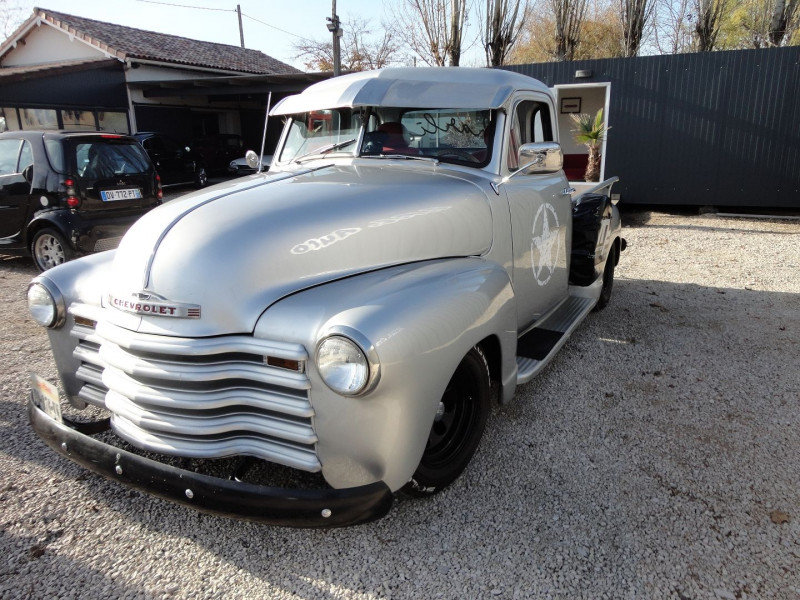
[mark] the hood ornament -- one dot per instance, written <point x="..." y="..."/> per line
<point x="148" y="303"/>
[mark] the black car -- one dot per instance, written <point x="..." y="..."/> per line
<point x="176" y="164"/>
<point x="217" y="151"/>
<point x="63" y="194"/>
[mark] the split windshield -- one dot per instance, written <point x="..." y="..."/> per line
<point x="446" y="135"/>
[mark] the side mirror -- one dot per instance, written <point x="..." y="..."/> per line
<point x="252" y="159"/>
<point x="541" y="157"/>
<point x="27" y="173"/>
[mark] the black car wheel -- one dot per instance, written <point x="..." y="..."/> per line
<point x="200" y="177"/>
<point x="49" y="248"/>
<point x="608" y="279"/>
<point x="457" y="428"/>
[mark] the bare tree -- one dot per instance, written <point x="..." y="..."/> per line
<point x="569" y="16"/>
<point x="361" y="51"/>
<point x="634" y="16"/>
<point x="502" y="29"/>
<point x="12" y="14"/>
<point x="673" y="30"/>
<point x="433" y="29"/>
<point x="784" y="17"/>
<point x="458" y="17"/>
<point x="599" y="34"/>
<point x="765" y="23"/>
<point x="709" y="14"/>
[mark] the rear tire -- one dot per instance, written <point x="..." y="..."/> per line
<point x="49" y="249"/>
<point x="457" y="428"/>
<point x="608" y="279"/>
<point x="200" y="177"/>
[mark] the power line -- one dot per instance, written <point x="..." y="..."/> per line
<point x="277" y="28"/>
<point x="228" y="10"/>
<point x="187" y="6"/>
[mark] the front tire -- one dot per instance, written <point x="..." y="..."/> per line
<point x="457" y="428"/>
<point x="49" y="248"/>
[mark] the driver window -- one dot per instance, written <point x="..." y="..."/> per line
<point x="531" y="124"/>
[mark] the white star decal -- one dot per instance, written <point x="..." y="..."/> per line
<point x="546" y="245"/>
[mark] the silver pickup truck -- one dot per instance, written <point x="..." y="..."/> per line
<point x="414" y="253"/>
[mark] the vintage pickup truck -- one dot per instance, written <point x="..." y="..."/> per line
<point x="413" y="254"/>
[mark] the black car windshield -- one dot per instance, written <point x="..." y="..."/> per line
<point x="447" y="134"/>
<point x="103" y="159"/>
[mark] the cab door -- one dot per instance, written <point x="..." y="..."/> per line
<point x="15" y="157"/>
<point x="540" y="210"/>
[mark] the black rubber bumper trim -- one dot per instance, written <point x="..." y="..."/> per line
<point x="274" y="506"/>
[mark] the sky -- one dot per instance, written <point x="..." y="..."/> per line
<point x="271" y="26"/>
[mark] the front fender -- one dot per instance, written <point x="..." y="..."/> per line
<point x="421" y="320"/>
<point x="81" y="283"/>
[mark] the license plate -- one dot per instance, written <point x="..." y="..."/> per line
<point x="126" y="194"/>
<point x="45" y="396"/>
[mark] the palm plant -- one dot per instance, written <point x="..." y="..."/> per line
<point x="591" y="132"/>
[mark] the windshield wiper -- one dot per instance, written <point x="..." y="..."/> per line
<point x="325" y="149"/>
<point x="404" y="156"/>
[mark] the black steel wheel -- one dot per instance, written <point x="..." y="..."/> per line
<point x="608" y="279"/>
<point x="457" y="428"/>
<point x="49" y="248"/>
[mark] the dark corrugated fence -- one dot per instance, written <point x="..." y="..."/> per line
<point x="713" y="128"/>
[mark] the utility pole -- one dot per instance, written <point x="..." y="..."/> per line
<point x="241" y="29"/>
<point x="334" y="26"/>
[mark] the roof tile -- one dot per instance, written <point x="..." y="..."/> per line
<point x="127" y="42"/>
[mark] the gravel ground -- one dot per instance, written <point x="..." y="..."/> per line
<point x="656" y="457"/>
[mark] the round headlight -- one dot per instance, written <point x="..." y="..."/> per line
<point x="44" y="306"/>
<point x="343" y="365"/>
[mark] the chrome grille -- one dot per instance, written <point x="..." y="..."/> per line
<point x="87" y="352"/>
<point x="200" y="397"/>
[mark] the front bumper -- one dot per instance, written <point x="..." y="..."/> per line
<point x="274" y="506"/>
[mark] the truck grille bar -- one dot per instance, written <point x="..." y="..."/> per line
<point x="198" y="397"/>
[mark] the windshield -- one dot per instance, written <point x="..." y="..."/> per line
<point x="320" y="131"/>
<point x="449" y="135"/>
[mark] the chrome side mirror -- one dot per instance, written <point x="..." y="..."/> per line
<point x="252" y="159"/>
<point x="541" y="157"/>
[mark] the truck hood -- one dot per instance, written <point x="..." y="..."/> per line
<point x="235" y="249"/>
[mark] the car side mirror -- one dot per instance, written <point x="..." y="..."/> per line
<point x="541" y="157"/>
<point x="252" y="159"/>
<point x="27" y="173"/>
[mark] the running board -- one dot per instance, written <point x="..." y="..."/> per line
<point x="537" y="348"/>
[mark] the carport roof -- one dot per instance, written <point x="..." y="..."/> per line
<point x="124" y="43"/>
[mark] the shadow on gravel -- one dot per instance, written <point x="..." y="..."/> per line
<point x="32" y="552"/>
<point x="18" y="264"/>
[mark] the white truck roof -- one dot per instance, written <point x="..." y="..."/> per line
<point x="428" y="87"/>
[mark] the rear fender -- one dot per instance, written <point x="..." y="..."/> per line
<point x="421" y="320"/>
